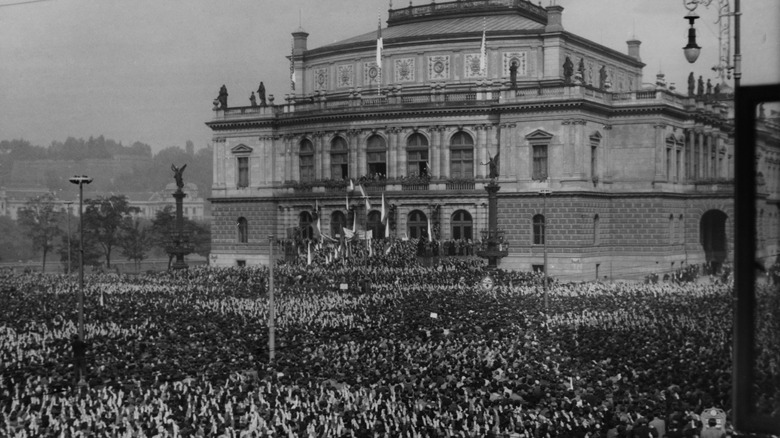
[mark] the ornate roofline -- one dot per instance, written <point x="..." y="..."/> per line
<point x="466" y="8"/>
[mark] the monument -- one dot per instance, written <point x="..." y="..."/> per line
<point x="179" y="245"/>
<point x="493" y="245"/>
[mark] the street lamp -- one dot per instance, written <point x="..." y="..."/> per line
<point x="271" y="309"/>
<point x="691" y="50"/>
<point x="69" y="203"/>
<point x="545" y="193"/>
<point x="80" y="180"/>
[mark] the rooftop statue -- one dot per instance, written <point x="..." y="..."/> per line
<point x="493" y="166"/>
<point x="222" y="98"/>
<point x="691" y="84"/>
<point x="568" y="70"/>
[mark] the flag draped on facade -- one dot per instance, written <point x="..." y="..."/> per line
<point x="292" y="65"/>
<point x="430" y="230"/>
<point x="483" y="53"/>
<point x="383" y="217"/>
<point x="379" y="47"/>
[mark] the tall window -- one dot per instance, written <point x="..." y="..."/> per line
<point x="669" y="153"/>
<point x="305" y="224"/>
<point x="539" y="162"/>
<point x="539" y="229"/>
<point x="243" y="172"/>
<point x="595" y="141"/>
<point x="678" y="154"/>
<point x="461" y="156"/>
<point x="696" y="158"/>
<point x="243" y="230"/>
<point x="374" y="223"/>
<point x="306" y="160"/>
<point x="417" y="225"/>
<point x="461" y="225"/>
<point x="596" y="230"/>
<point x="339" y="159"/>
<point x="376" y="156"/>
<point x="417" y="155"/>
<point x="688" y="167"/>
<point x="338" y="221"/>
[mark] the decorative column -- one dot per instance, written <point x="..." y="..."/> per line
<point x="398" y="133"/>
<point x="352" y="154"/>
<point x="435" y="155"/>
<point x="660" y="150"/>
<point x="288" y="175"/>
<point x="180" y="245"/>
<point x="392" y="159"/>
<point x="444" y="149"/>
<point x="481" y="155"/>
<point x="325" y="148"/>
<point x="492" y="239"/>
<point x="295" y="148"/>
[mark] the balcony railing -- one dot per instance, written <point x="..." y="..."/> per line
<point x="460" y="185"/>
<point x="413" y="187"/>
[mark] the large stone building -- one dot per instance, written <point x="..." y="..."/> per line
<point x="617" y="178"/>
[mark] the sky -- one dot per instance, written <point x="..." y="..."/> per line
<point x="148" y="70"/>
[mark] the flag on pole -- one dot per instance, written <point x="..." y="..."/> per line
<point x="308" y="255"/>
<point x="379" y="47"/>
<point x="483" y="53"/>
<point x="362" y="191"/>
<point x="368" y="205"/>
<point x="383" y="217"/>
<point x="292" y="65"/>
<point x="351" y="187"/>
<point x="346" y="199"/>
<point x="430" y="230"/>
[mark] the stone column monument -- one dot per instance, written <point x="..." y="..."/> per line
<point x="179" y="245"/>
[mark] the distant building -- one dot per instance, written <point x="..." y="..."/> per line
<point x="640" y="178"/>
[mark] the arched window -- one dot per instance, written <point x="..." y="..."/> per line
<point x="539" y="229"/>
<point x="417" y="155"/>
<point x="243" y="230"/>
<point x="417" y="225"/>
<point x="304" y="223"/>
<point x="595" y="142"/>
<point x="596" y="230"/>
<point x="306" y="161"/>
<point x="461" y="225"/>
<point x="461" y="156"/>
<point x="681" y="231"/>
<point x="374" y="224"/>
<point x="339" y="159"/>
<point x="376" y="156"/>
<point x="338" y="221"/>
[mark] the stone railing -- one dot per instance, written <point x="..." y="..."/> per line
<point x="460" y="185"/>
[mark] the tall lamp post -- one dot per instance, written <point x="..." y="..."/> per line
<point x="69" y="203"/>
<point x="545" y="193"/>
<point x="80" y="180"/>
<point x="271" y="309"/>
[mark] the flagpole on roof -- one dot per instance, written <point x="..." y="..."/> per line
<point x="379" y="47"/>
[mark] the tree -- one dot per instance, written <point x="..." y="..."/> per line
<point x="40" y="221"/>
<point x="92" y="252"/>
<point x="136" y="242"/>
<point x="14" y="245"/>
<point x="107" y="218"/>
<point x="164" y="224"/>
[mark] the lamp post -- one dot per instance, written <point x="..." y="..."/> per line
<point x="271" y="308"/>
<point x="70" y="265"/>
<point x="80" y="180"/>
<point x="545" y="193"/>
<point x="692" y="50"/>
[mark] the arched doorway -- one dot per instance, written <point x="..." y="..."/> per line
<point x="305" y="225"/>
<point x="712" y="236"/>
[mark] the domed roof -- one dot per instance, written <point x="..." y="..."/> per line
<point x="463" y="17"/>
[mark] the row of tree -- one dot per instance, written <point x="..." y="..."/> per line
<point x="110" y="224"/>
<point x="144" y="178"/>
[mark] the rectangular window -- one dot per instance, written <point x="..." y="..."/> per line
<point x="677" y="164"/>
<point x="243" y="172"/>
<point x="696" y="159"/>
<point x="241" y="263"/>
<point x="539" y="162"/>
<point x="594" y="161"/>
<point x="462" y="163"/>
<point x="668" y="164"/>
<point x="377" y="163"/>
<point x="307" y="167"/>
<point x="537" y="268"/>
<point x="416" y="163"/>
<point x="339" y="166"/>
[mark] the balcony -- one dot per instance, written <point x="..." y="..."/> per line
<point x="460" y="185"/>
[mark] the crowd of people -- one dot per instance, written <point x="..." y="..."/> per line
<point x="369" y="350"/>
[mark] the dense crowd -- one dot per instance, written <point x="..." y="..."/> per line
<point x="420" y="351"/>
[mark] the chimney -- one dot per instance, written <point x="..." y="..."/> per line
<point x="633" y="48"/>
<point x="299" y="41"/>
<point x="554" y="19"/>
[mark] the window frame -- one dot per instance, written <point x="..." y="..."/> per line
<point x="457" y="149"/>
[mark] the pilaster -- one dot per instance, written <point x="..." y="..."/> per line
<point x="659" y="151"/>
<point x="445" y="151"/>
<point x="435" y="154"/>
<point x="392" y="159"/>
<point x="481" y="152"/>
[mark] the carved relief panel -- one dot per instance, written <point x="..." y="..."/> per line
<point x="345" y="76"/>
<point x="439" y="67"/>
<point x="321" y="78"/>
<point x="521" y="58"/>
<point x="404" y="70"/>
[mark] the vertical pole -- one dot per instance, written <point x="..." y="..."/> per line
<point x="69" y="262"/>
<point x="737" y="51"/>
<point x="81" y="262"/>
<point x="544" y="236"/>
<point x="271" y="307"/>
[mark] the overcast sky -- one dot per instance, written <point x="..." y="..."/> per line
<point x="148" y="70"/>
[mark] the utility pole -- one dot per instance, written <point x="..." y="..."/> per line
<point x="545" y="193"/>
<point x="271" y="307"/>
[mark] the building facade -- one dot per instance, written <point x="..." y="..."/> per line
<point x="610" y="177"/>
